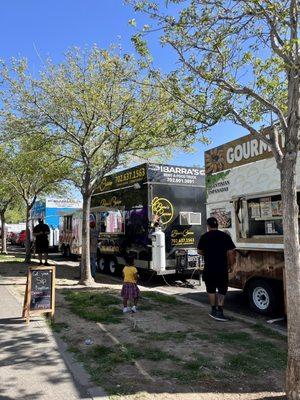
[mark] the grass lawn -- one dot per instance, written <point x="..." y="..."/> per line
<point x="7" y="258"/>
<point x="180" y="349"/>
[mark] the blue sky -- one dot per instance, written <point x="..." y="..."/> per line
<point x="36" y="29"/>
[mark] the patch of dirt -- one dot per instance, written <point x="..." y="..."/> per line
<point x="172" y="378"/>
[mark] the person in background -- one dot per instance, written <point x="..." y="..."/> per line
<point x="218" y="250"/>
<point x="130" y="290"/>
<point x="41" y="232"/>
<point x="94" y="233"/>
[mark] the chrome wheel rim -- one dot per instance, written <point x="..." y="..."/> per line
<point x="261" y="298"/>
<point x="101" y="264"/>
<point x="112" y="267"/>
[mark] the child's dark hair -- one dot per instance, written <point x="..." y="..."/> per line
<point x="129" y="259"/>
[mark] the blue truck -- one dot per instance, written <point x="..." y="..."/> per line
<point x="50" y="210"/>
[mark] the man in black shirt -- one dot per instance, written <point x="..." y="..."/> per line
<point x="41" y="232"/>
<point x="218" y="251"/>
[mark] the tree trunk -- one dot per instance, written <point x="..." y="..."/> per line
<point x="86" y="275"/>
<point x="27" y="240"/>
<point x="3" y="233"/>
<point x="292" y="272"/>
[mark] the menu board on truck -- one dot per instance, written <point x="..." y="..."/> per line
<point x="222" y="216"/>
<point x="254" y="210"/>
<point x="265" y="207"/>
<point x="277" y="208"/>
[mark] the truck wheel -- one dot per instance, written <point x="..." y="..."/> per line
<point x="63" y="250"/>
<point x="67" y="252"/>
<point x="262" y="297"/>
<point x="113" y="267"/>
<point x="101" y="265"/>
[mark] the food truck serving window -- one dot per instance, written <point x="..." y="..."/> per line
<point x="265" y="216"/>
<point x="68" y="222"/>
<point x="112" y="221"/>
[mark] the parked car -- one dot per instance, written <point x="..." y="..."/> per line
<point x="21" y="239"/>
<point x="12" y="237"/>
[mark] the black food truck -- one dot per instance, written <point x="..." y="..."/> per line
<point x="128" y="202"/>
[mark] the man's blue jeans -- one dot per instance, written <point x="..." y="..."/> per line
<point x="93" y="261"/>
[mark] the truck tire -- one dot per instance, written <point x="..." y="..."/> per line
<point x="113" y="266"/>
<point x="262" y="296"/>
<point x="63" y="250"/>
<point x="101" y="265"/>
<point x="67" y="252"/>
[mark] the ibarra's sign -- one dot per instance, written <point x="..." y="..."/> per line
<point x="123" y="179"/>
<point x="154" y="173"/>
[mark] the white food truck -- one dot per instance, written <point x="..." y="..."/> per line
<point x="243" y="193"/>
<point x="70" y="236"/>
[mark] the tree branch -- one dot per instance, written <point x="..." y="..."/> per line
<point x="273" y="142"/>
<point x="234" y="89"/>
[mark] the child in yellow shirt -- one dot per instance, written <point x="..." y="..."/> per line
<point x="130" y="290"/>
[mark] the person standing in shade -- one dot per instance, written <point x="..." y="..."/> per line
<point x="218" y="250"/>
<point x="94" y="233"/>
<point x="41" y="232"/>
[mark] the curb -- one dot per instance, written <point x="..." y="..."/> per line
<point x="79" y="373"/>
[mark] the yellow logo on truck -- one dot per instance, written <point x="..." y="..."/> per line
<point x="163" y="208"/>
<point x="112" y="202"/>
<point x="105" y="184"/>
<point x="182" y="238"/>
<point x="175" y="233"/>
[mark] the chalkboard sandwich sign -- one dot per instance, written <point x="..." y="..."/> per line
<point x="40" y="292"/>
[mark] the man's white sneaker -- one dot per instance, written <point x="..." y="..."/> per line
<point x="126" y="310"/>
<point x="134" y="309"/>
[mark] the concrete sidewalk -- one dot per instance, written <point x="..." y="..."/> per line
<point x="33" y="364"/>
